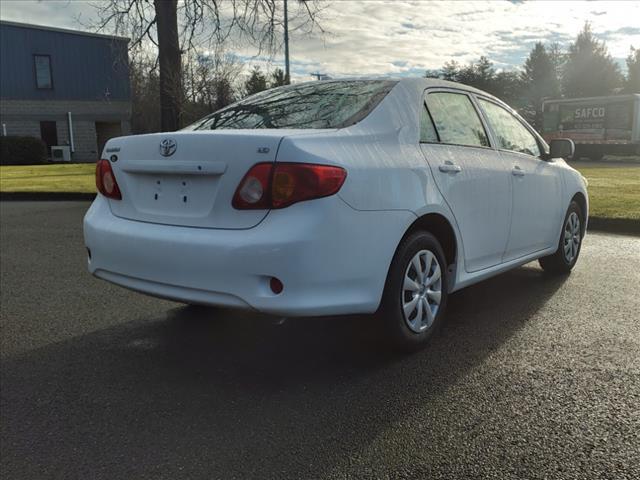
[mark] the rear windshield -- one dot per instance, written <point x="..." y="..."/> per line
<point x="327" y="104"/>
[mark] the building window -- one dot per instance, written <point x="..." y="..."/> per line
<point x="44" y="79"/>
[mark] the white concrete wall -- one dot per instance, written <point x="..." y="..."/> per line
<point x="23" y="117"/>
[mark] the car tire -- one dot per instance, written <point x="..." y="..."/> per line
<point x="407" y="322"/>
<point x="569" y="244"/>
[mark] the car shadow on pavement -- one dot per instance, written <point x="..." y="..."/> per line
<point x="219" y="394"/>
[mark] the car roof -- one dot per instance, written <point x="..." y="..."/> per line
<point x="415" y="83"/>
<point x="422" y="83"/>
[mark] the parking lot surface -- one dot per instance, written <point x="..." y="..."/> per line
<point x="531" y="377"/>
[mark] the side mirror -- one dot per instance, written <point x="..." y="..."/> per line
<point x="561" y="148"/>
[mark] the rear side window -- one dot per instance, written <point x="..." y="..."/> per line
<point x="427" y="130"/>
<point x="456" y="119"/>
<point x="510" y="133"/>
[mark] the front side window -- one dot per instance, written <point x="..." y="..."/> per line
<point x="333" y="104"/>
<point x="43" y="71"/>
<point x="456" y="119"/>
<point x="510" y="133"/>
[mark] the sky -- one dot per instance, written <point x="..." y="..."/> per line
<point x="405" y="38"/>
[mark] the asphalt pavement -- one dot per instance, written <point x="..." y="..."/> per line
<point x="531" y="377"/>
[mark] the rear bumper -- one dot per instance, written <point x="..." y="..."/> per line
<point x="331" y="259"/>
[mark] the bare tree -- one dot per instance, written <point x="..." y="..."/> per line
<point x="211" y="82"/>
<point x="145" y="114"/>
<point x="170" y="29"/>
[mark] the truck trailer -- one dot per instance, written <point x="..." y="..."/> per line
<point x="597" y="125"/>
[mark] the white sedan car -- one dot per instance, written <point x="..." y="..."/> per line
<point x="337" y="197"/>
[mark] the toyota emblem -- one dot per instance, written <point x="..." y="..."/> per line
<point x="168" y="147"/>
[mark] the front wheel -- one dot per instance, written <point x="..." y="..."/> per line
<point x="415" y="295"/>
<point x="569" y="245"/>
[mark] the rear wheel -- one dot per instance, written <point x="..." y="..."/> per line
<point x="415" y="295"/>
<point x="569" y="245"/>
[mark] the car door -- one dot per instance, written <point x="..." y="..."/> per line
<point x="536" y="185"/>
<point x="472" y="177"/>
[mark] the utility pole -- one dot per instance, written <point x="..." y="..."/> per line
<point x="287" y="76"/>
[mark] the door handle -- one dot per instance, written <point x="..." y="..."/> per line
<point x="449" y="167"/>
<point x="517" y="172"/>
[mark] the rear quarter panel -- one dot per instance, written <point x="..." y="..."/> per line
<point x="385" y="167"/>
<point x="386" y="170"/>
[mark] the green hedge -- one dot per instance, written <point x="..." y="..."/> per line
<point x="22" y="151"/>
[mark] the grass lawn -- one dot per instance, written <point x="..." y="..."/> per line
<point x="48" y="178"/>
<point x="614" y="191"/>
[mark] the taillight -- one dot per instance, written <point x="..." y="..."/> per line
<point x="278" y="185"/>
<point x="253" y="191"/>
<point x="106" y="180"/>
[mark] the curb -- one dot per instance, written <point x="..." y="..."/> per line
<point x="625" y="226"/>
<point x="46" y="196"/>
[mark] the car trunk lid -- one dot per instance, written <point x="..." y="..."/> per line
<point x="188" y="178"/>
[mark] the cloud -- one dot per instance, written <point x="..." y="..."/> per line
<point x="54" y="13"/>
<point x="408" y="37"/>
<point x="621" y="32"/>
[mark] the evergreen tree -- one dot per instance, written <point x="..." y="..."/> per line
<point x="485" y="73"/>
<point x="558" y="58"/>
<point x="433" y="73"/>
<point x="507" y="85"/>
<point x="257" y="82"/>
<point x="278" y="78"/>
<point x="589" y="70"/>
<point x="539" y="81"/>
<point x="632" y="82"/>
<point x="224" y="93"/>
<point x="451" y="71"/>
<point x="480" y="75"/>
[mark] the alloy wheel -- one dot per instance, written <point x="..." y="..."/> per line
<point x="571" y="237"/>
<point x="422" y="291"/>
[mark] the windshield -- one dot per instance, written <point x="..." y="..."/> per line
<point x="327" y="104"/>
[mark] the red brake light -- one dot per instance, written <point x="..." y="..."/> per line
<point x="278" y="185"/>
<point x="106" y="180"/>
<point x="295" y="182"/>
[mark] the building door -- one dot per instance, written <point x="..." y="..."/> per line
<point x="49" y="134"/>
<point x="105" y="131"/>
